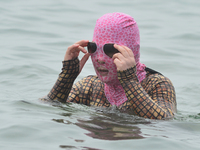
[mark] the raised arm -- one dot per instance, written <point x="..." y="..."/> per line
<point x="156" y="100"/>
<point x="71" y="68"/>
<point x="62" y="87"/>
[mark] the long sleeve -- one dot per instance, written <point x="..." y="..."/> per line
<point x="156" y="100"/>
<point x="63" y="85"/>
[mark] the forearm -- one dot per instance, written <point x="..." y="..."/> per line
<point x="63" y="85"/>
<point x="139" y="101"/>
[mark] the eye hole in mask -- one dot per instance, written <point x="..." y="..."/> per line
<point x="108" y="49"/>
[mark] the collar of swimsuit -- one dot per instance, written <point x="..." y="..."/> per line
<point x="108" y="48"/>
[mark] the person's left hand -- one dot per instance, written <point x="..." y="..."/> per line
<point x="125" y="59"/>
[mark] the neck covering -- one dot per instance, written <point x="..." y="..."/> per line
<point x="121" y="29"/>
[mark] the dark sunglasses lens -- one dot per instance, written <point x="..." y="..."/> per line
<point x="92" y="47"/>
<point x="110" y="50"/>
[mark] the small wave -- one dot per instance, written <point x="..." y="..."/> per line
<point x="16" y="31"/>
<point x="188" y="36"/>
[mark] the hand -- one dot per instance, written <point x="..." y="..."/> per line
<point x="74" y="50"/>
<point x="125" y="59"/>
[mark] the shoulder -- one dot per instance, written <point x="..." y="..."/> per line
<point x="91" y="79"/>
<point x="155" y="77"/>
<point x="86" y="85"/>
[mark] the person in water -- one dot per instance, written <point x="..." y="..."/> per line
<point x="121" y="79"/>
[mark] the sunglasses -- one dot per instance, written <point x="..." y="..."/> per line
<point x="108" y="49"/>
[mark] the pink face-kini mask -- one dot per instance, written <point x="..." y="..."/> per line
<point x="121" y="29"/>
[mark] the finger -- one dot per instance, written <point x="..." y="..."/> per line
<point x="76" y="48"/>
<point x="130" y="52"/>
<point x="83" y="43"/>
<point x="122" y="50"/>
<point x="73" y="50"/>
<point x="83" y="61"/>
<point x="82" y="49"/>
<point x="73" y="46"/>
<point x="117" y="62"/>
<point x="118" y="56"/>
<point x="69" y="53"/>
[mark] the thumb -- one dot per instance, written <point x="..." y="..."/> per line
<point x="83" y="61"/>
<point x="117" y="62"/>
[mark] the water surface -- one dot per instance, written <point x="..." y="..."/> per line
<point x="34" y="38"/>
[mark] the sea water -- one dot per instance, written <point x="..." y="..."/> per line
<point x="34" y="36"/>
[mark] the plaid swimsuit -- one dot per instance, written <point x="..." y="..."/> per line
<point x="153" y="98"/>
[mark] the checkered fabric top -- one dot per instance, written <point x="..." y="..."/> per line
<point x="153" y="98"/>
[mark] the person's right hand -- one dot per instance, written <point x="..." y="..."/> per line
<point x="74" y="50"/>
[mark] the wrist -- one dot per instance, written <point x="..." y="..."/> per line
<point x="71" y="65"/>
<point x="127" y="74"/>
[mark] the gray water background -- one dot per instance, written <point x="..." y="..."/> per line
<point x="34" y="36"/>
